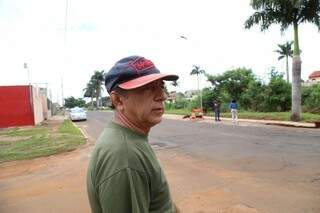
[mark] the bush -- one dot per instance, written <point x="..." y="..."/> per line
<point x="311" y="98"/>
<point x="277" y="95"/>
<point x="254" y="97"/>
<point x="181" y="103"/>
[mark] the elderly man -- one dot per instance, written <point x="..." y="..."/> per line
<point x="124" y="174"/>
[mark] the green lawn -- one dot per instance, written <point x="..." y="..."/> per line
<point x="282" y="116"/>
<point x="26" y="143"/>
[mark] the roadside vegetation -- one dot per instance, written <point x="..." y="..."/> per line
<point x="32" y="142"/>
<point x="257" y="98"/>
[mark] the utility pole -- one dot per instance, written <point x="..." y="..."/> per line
<point x="25" y="66"/>
<point x="65" y="49"/>
<point x="62" y="102"/>
<point x="200" y="92"/>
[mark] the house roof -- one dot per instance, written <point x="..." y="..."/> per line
<point x="315" y="74"/>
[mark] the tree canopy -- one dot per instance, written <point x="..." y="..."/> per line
<point x="234" y="82"/>
<point x="72" y="102"/>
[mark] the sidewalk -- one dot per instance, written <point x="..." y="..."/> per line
<point x="57" y="118"/>
<point x="265" y="122"/>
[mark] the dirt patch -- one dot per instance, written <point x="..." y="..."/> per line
<point x="197" y="186"/>
<point x="201" y="187"/>
<point x="59" y="181"/>
<point x="53" y="125"/>
<point x="214" y="201"/>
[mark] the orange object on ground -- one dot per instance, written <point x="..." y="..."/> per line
<point x="197" y="114"/>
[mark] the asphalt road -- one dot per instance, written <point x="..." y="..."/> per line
<point x="282" y="160"/>
<point x="260" y="148"/>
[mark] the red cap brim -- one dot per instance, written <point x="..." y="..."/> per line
<point x="143" y="80"/>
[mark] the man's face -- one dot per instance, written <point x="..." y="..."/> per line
<point x="145" y="105"/>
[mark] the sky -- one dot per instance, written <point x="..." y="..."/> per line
<point x="64" y="41"/>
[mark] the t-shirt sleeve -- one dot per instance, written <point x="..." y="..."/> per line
<point x="125" y="191"/>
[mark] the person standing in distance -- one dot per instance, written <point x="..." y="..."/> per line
<point x="234" y="111"/>
<point x="124" y="174"/>
<point x="216" y="109"/>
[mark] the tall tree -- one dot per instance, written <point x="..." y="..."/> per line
<point x="89" y="92"/>
<point x="96" y="81"/>
<point x="287" y="13"/>
<point x="285" y="51"/>
<point x="197" y="71"/>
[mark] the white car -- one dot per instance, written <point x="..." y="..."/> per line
<point x="77" y="114"/>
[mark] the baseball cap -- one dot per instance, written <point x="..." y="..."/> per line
<point x="133" y="72"/>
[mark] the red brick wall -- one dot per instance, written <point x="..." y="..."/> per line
<point x="15" y="106"/>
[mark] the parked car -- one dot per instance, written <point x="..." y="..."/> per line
<point x="78" y="114"/>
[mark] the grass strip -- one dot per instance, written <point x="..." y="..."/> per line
<point x="27" y="143"/>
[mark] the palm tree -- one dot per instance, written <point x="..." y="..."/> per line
<point x="89" y="92"/>
<point x="287" y="13"/>
<point x="285" y="51"/>
<point x="96" y="81"/>
<point x="197" y="71"/>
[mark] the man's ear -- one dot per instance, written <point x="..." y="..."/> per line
<point x="117" y="101"/>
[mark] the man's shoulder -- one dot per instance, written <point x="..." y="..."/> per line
<point x="111" y="143"/>
<point x="108" y="136"/>
<point x="117" y="149"/>
<point x="110" y="155"/>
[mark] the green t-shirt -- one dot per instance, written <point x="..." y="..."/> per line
<point x="125" y="176"/>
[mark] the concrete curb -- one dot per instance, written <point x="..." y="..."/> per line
<point x="64" y="117"/>
<point x="82" y="132"/>
<point x="266" y="122"/>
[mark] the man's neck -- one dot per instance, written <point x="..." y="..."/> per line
<point x="121" y="119"/>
